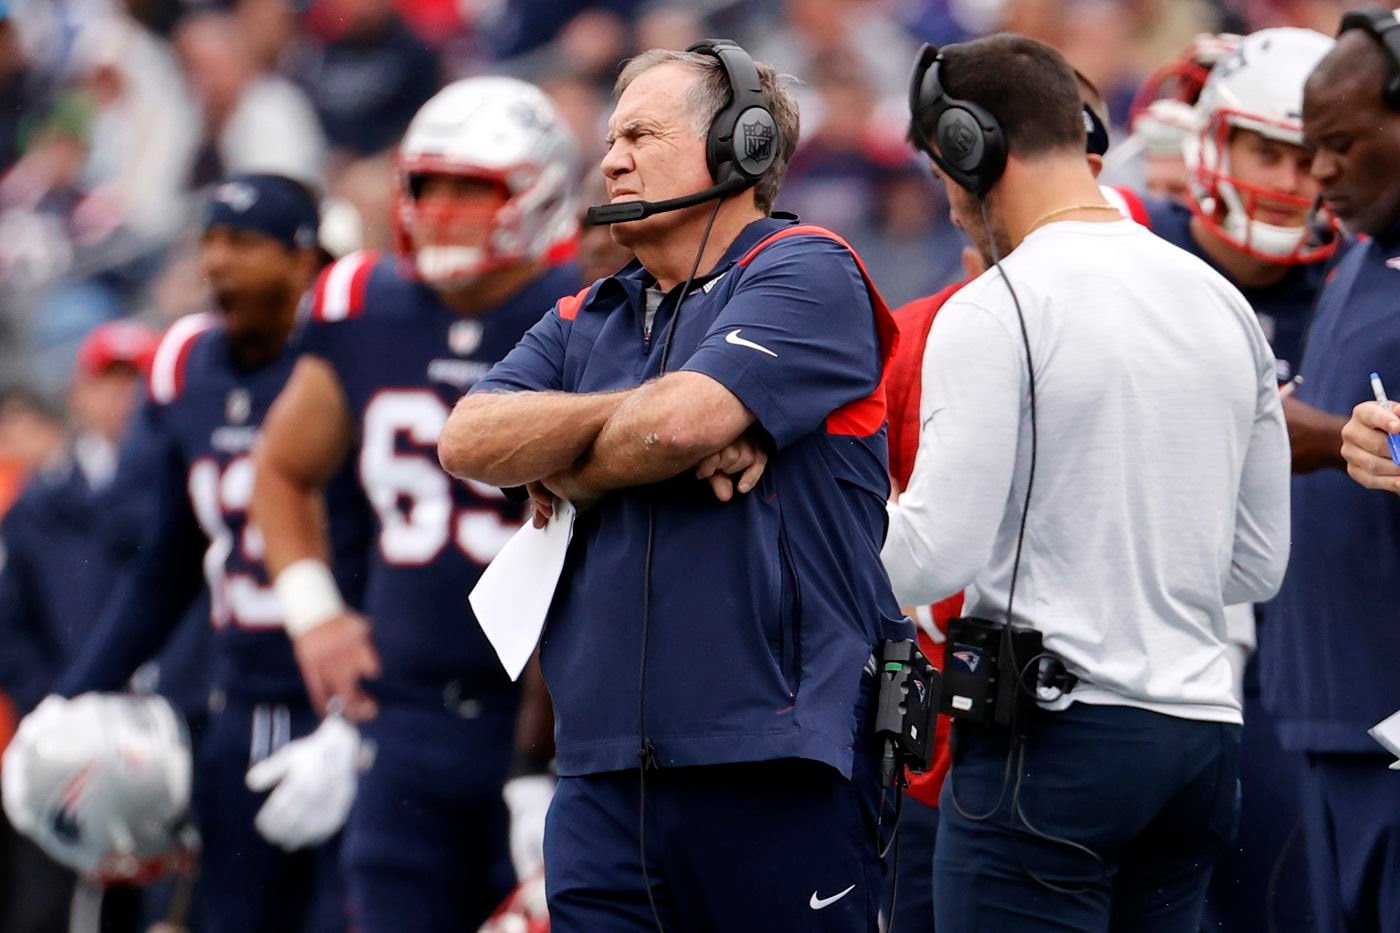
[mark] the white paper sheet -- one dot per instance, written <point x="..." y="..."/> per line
<point x="513" y="595"/>
<point x="1387" y="732"/>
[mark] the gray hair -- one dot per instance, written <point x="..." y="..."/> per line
<point x="708" y="96"/>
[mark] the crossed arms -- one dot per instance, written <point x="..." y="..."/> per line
<point x="581" y="446"/>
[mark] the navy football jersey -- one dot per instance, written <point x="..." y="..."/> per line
<point x="1284" y="309"/>
<point x="203" y="415"/>
<point x="403" y="359"/>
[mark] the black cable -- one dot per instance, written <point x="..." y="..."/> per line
<point x="1030" y="378"/>
<point x="1035" y="831"/>
<point x="647" y="752"/>
<point x="1006" y="641"/>
<point x="894" y="863"/>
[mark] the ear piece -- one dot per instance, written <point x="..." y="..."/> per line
<point x="743" y="141"/>
<point x="1383" y="25"/>
<point x="962" y="138"/>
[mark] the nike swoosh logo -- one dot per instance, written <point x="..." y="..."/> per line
<point x="734" y="338"/>
<point x="817" y="903"/>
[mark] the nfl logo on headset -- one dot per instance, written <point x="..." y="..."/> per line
<point x="758" y="140"/>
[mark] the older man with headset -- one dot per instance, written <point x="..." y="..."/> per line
<point x="1103" y="459"/>
<point x="714" y="411"/>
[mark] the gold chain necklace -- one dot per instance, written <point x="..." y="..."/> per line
<point x="1065" y="210"/>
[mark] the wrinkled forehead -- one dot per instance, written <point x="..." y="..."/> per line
<point x="658" y="97"/>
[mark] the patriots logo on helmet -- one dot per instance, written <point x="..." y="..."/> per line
<point x="64" y="821"/>
<point x="758" y="140"/>
<point x="968" y="658"/>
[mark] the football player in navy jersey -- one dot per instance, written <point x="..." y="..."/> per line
<point x="1250" y="195"/>
<point x="1250" y="214"/>
<point x="213" y="378"/>
<point x="485" y="208"/>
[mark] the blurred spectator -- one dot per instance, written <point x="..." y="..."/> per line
<point x="272" y="32"/>
<point x="667" y="26"/>
<point x="837" y="176"/>
<point x="584" y="106"/>
<point x="31" y="433"/>
<point x="861" y="30"/>
<point x="854" y="174"/>
<point x="593" y="45"/>
<point x="254" y="121"/>
<point x="143" y="126"/>
<point x="59" y="564"/>
<point x="371" y="77"/>
<point x="20" y="89"/>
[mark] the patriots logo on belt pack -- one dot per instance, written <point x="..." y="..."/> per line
<point x="758" y="140"/>
<point x="968" y="658"/>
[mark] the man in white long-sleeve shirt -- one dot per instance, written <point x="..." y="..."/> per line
<point x="1160" y="472"/>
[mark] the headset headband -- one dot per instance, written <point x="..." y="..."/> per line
<point x="1383" y="26"/>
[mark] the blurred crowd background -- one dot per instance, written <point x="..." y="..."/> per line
<point x="115" y="114"/>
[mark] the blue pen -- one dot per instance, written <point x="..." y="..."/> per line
<point x="1392" y="440"/>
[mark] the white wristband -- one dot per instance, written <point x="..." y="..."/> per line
<point x="308" y="595"/>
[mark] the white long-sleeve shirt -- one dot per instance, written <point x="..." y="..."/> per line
<point x="1161" y="476"/>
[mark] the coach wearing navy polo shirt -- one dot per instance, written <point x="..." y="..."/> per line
<point x="723" y="594"/>
<point x="1332" y="669"/>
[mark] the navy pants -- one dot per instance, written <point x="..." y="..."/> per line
<point x="1351" y="822"/>
<point x="427" y="842"/>
<point x="247" y="884"/>
<point x="1105" y="818"/>
<point x="912" y="889"/>
<point x="764" y="846"/>
<point x="1261" y="882"/>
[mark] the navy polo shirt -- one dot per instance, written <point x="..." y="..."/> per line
<point x="765" y="610"/>
<point x="1331" y="661"/>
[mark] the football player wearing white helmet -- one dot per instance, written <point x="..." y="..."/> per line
<point x="485" y="223"/>
<point x="1247" y="170"/>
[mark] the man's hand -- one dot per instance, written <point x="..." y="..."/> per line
<point x="568" y="484"/>
<point x="741" y="456"/>
<point x="333" y="657"/>
<point x="1315" y="436"/>
<point x="541" y="504"/>
<point x="1365" y="449"/>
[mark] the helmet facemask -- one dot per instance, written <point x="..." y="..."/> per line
<point x="1229" y="206"/>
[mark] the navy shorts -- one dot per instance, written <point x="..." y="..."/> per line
<point x="763" y="846"/>
<point x="427" y="842"/>
<point x="1108" y="817"/>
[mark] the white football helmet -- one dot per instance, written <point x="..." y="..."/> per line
<point x="1258" y="87"/>
<point x="102" y="784"/>
<point x="493" y="129"/>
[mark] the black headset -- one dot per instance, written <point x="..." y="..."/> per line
<point x="962" y="138"/>
<point x="1381" y="24"/>
<point x="743" y="141"/>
